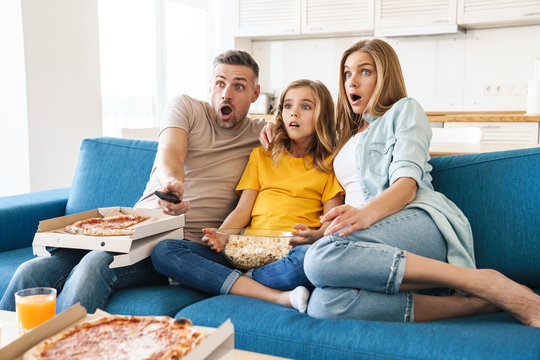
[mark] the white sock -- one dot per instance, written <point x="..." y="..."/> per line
<point x="299" y="298"/>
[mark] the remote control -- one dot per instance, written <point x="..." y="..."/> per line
<point x="170" y="197"/>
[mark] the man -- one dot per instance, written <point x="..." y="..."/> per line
<point x="204" y="148"/>
<point x="202" y="152"/>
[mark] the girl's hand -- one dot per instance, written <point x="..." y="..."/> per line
<point x="303" y="236"/>
<point x="346" y="215"/>
<point x="214" y="240"/>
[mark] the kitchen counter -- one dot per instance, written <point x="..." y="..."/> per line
<point x="442" y="149"/>
<point x="485" y="116"/>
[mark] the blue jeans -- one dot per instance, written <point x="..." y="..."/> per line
<point x="358" y="276"/>
<point x="79" y="276"/>
<point x="199" y="267"/>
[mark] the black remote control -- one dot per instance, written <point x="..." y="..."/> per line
<point x="170" y="197"/>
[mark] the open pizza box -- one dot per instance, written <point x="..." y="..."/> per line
<point x="131" y="248"/>
<point x="218" y="345"/>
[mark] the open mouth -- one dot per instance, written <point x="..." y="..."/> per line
<point x="355" y="97"/>
<point x="226" y="110"/>
<point x="294" y="124"/>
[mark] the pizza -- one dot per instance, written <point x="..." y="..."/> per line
<point x="107" y="226"/>
<point x="122" y="337"/>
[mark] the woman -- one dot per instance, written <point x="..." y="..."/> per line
<point x="396" y="241"/>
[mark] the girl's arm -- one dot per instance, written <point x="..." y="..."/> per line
<point x="390" y="201"/>
<point x="238" y="218"/>
<point x="308" y="236"/>
<point x="241" y="215"/>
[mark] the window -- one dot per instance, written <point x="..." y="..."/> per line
<point x="151" y="51"/>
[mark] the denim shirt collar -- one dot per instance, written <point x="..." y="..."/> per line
<point x="369" y="118"/>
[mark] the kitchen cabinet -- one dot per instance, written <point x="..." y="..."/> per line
<point x="497" y="127"/>
<point x="293" y="18"/>
<point x="305" y="18"/>
<point x="322" y="16"/>
<point x="268" y="17"/>
<point x="489" y="13"/>
<point x="418" y="17"/>
<point x="503" y="132"/>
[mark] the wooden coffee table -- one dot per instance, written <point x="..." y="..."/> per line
<point x="8" y="324"/>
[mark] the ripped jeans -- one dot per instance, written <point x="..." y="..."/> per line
<point x="358" y="276"/>
<point x="199" y="267"/>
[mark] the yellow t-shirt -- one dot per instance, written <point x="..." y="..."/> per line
<point x="289" y="194"/>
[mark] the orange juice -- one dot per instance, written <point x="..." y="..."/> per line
<point x="33" y="310"/>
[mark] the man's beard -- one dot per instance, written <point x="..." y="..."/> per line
<point x="227" y="124"/>
<point x="232" y="121"/>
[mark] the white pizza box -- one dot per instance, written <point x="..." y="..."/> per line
<point x="136" y="247"/>
<point x="218" y="345"/>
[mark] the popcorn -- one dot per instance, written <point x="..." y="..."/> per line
<point x="248" y="252"/>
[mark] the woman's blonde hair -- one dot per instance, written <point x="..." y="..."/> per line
<point x="390" y="86"/>
<point x="324" y="140"/>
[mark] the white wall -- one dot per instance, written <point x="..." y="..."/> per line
<point x="445" y="73"/>
<point x="56" y="84"/>
<point x="15" y="167"/>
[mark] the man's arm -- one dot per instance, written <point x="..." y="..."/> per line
<point x="171" y="154"/>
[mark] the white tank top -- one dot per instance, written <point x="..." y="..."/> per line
<point x="347" y="171"/>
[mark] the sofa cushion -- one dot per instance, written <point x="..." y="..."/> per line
<point x="21" y="214"/>
<point x="498" y="192"/>
<point x="153" y="300"/>
<point x="9" y="262"/>
<point x="268" y="328"/>
<point x="110" y="172"/>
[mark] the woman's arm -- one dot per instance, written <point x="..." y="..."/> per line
<point x="390" y="201"/>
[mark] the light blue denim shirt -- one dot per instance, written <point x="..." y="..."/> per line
<point x="397" y="145"/>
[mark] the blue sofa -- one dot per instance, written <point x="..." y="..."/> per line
<point x="498" y="192"/>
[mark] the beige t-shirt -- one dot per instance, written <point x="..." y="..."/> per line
<point x="214" y="163"/>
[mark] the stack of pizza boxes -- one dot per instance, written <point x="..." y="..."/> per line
<point x="128" y="249"/>
<point x="218" y="343"/>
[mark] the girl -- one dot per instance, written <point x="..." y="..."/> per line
<point x="290" y="186"/>
<point x="395" y="235"/>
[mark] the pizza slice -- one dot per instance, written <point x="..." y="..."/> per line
<point x="122" y="337"/>
<point x="107" y="226"/>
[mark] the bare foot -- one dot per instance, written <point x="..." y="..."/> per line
<point x="510" y="296"/>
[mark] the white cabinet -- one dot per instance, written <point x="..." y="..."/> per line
<point x="267" y="18"/>
<point x="494" y="13"/>
<point x="297" y="18"/>
<point x="503" y="132"/>
<point x="417" y="17"/>
<point x="339" y="16"/>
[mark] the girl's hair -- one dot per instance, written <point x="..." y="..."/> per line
<point x="390" y="86"/>
<point x="324" y="140"/>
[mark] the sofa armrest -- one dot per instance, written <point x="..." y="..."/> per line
<point x="20" y="215"/>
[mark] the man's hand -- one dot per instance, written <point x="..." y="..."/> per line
<point x="177" y="188"/>
<point x="213" y="239"/>
<point x="265" y="136"/>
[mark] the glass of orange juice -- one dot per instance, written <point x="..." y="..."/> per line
<point x="34" y="306"/>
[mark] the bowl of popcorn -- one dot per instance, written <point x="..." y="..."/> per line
<point x="253" y="248"/>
